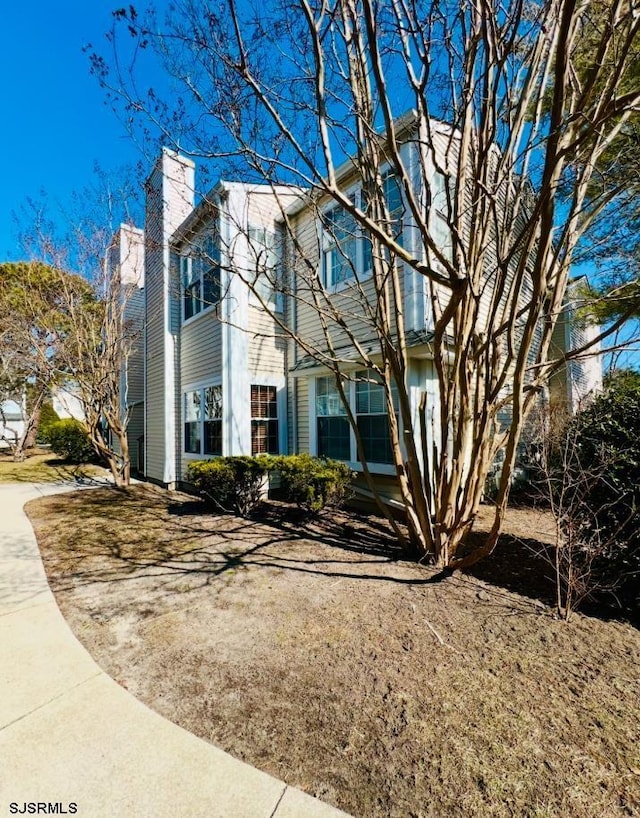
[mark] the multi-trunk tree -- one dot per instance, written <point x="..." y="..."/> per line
<point x="100" y="332"/>
<point x="509" y="120"/>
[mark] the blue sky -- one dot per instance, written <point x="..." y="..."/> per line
<point x="55" y="123"/>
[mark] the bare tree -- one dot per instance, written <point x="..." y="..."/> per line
<point x="479" y="197"/>
<point x="93" y="354"/>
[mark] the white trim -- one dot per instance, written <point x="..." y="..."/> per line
<point x="283" y="426"/>
<point x="235" y="318"/>
<point x="186" y="322"/>
<point x="200" y="386"/>
<point x="193" y="386"/>
<point x="313" y="421"/>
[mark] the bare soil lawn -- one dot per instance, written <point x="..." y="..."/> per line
<point x="314" y="652"/>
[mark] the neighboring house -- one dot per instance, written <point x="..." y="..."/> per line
<point x="580" y="379"/>
<point x="12" y="422"/>
<point x="220" y="377"/>
<point x="66" y="402"/>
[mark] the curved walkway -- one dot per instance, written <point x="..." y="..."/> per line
<point x="69" y="735"/>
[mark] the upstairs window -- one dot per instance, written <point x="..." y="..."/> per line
<point x="200" y="273"/>
<point x="264" y="420"/>
<point x="395" y="204"/>
<point x="263" y="263"/>
<point x="439" y="221"/>
<point x="343" y="256"/>
<point x="347" y="250"/>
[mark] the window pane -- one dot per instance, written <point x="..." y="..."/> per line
<point x="264" y="437"/>
<point x="192" y="437"/>
<point x="328" y="402"/>
<point x="213" y="437"/>
<point x="192" y="303"/>
<point x="264" y="403"/>
<point x="334" y="438"/>
<point x="211" y="286"/>
<point x="192" y="406"/>
<point x="213" y="402"/>
<point x="375" y="437"/>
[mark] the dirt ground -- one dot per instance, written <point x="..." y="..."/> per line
<point x="312" y="651"/>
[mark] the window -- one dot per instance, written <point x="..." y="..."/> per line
<point x="200" y="273"/>
<point x="347" y="251"/>
<point x="192" y="414"/>
<point x="333" y="436"/>
<point x="439" y="214"/>
<point x="395" y="204"/>
<point x="372" y="417"/>
<point x="263" y="262"/>
<point x="203" y="421"/>
<point x="342" y="258"/>
<point x="264" y="420"/>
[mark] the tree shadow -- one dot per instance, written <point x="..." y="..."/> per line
<point x="523" y="565"/>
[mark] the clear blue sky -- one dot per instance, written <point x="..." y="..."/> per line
<point x="55" y="125"/>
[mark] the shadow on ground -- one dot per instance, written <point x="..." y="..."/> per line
<point x="119" y="535"/>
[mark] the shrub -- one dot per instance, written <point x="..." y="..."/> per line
<point x="231" y="484"/>
<point x="69" y="439"/>
<point x="607" y="434"/>
<point x="313" y="483"/>
<point x="589" y="466"/>
<point x="48" y="416"/>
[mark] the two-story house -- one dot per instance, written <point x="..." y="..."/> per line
<point x="234" y="364"/>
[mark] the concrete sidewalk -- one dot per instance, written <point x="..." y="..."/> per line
<point x="69" y="735"/>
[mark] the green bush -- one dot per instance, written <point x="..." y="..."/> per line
<point x="48" y="416"/>
<point x="69" y="439"/>
<point x="313" y="483"/>
<point x="231" y="484"/>
<point x="606" y="438"/>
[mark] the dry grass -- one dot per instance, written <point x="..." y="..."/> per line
<point x="314" y="652"/>
<point x="43" y="467"/>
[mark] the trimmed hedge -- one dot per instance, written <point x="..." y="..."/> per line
<point x="313" y="483"/>
<point x="237" y="484"/>
<point x="69" y="439"/>
<point x="231" y="484"/>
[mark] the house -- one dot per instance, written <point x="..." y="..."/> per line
<point x="220" y="374"/>
<point x="12" y="423"/>
<point x="215" y="361"/>
<point x="126" y="259"/>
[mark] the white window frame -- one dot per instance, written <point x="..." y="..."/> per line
<point x="359" y="237"/>
<point x="329" y="243"/>
<point x="199" y="253"/>
<point x="266" y="246"/>
<point x="277" y="418"/>
<point x="201" y="388"/>
<point x="353" y="462"/>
